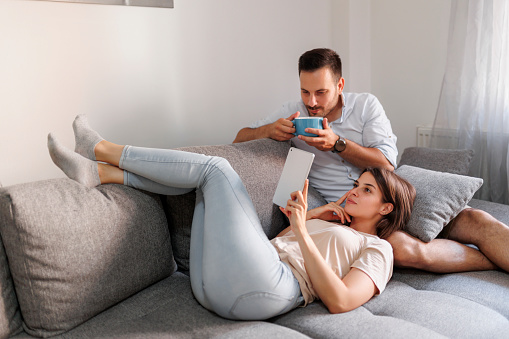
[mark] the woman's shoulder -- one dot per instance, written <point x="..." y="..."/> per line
<point x="379" y="245"/>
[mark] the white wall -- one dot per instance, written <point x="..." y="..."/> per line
<point x="198" y="73"/>
<point x="153" y="77"/>
<point x="408" y="57"/>
<point x="395" y="49"/>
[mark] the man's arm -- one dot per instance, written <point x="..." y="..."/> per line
<point x="357" y="155"/>
<point x="280" y="130"/>
<point x="362" y="157"/>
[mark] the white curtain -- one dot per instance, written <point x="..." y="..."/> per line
<point x="473" y="111"/>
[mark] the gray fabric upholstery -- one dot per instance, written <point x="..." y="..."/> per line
<point x="315" y="321"/>
<point x="168" y="309"/>
<point x="489" y="289"/>
<point x="441" y="160"/>
<point x="415" y="304"/>
<point x="10" y="318"/>
<point x="75" y="251"/>
<point x="259" y="164"/>
<point x="440" y="197"/>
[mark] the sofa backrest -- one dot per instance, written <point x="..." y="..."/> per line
<point x="74" y="251"/>
<point x="455" y="161"/>
<point x="259" y="164"/>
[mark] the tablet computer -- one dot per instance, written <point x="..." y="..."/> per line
<point x="295" y="171"/>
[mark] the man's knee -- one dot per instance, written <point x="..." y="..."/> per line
<point x="408" y="250"/>
<point x="473" y="226"/>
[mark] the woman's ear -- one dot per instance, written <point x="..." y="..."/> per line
<point x="386" y="208"/>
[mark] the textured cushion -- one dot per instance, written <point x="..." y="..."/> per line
<point x="440" y="197"/>
<point x="75" y="251"/>
<point x="487" y="288"/>
<point x="168" y="309"/>
<point x="259" y="164"/>
<point x="441" y="160"/>
<point x="404" y="310"/>
<point x="10" y="318"/>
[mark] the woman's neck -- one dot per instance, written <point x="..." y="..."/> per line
<point x="364" y="226"/>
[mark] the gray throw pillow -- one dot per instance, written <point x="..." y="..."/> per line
<point x="456" y="161"/>
<point x="440" y="197"/>
<point x="74" y="251"/>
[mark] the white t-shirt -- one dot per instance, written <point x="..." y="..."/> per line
<point x="363" y="121"/>
<point x="342" y="248"/>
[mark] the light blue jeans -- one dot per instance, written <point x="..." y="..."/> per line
<point x="235" y="271"/>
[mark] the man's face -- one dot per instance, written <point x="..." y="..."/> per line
<point x="320" y="92"/>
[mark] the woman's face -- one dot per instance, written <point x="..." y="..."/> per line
<point x="365" y="199"/>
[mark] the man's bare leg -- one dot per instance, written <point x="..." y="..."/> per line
<point x="473" y="226"/>
<point x="439" y="255"/>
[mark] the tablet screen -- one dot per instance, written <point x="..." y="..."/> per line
<point x="295" y="171"/>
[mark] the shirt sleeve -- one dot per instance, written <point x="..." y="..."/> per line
<point x="377" y="262"/>
<point x="377" y="131"/>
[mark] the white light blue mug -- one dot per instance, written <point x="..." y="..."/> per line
<point x="301" y="124"/>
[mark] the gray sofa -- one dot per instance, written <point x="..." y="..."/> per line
<point x="112" y="262"/>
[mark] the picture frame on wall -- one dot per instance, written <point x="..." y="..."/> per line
<point x="142" y="3"/>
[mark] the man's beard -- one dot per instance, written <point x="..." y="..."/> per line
<point x="325" y="113"/>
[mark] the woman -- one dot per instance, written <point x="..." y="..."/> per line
<point x="235" y="270"/>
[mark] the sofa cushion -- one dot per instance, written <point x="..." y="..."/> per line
<point x="10" y="317"/>
<point x="403" y="310"/>
<point x="441" y="160"/>
<point x="440" y="197"/>
<point x="259" y="164"/>
<point x="487" y="288"/>
<point x="168" y="309"/>
<point x="75" y="251"/>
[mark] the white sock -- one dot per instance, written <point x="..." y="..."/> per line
<point x="85" y="137"/>
<point x="75" y="166"/>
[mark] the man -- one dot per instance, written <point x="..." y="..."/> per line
<point x="357" y="134"/>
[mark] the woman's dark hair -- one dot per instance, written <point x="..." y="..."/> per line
<point x="318" y="58"/>
<point x="397" y="191"/>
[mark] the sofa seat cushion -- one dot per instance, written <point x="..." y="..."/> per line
<point x="487" y="288"/>
<point x="315" y="321"/>
<point x="168" y="309"/>
<point x="74" y="251"/>
<point x="427" y="311"/>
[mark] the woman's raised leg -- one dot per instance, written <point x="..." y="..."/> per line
<point x="235" y="270"/>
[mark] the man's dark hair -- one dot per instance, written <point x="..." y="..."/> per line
<point x="318" y="58"/>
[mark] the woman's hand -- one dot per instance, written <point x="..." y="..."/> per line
<point x="331" y="211"/>
<point x="296" y="209"/>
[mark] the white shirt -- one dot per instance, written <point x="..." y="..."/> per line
<point x="363" y="120"/>
<point x="342" y="248"/>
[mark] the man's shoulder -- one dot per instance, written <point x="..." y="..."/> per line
<point x="359" y="97"/>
